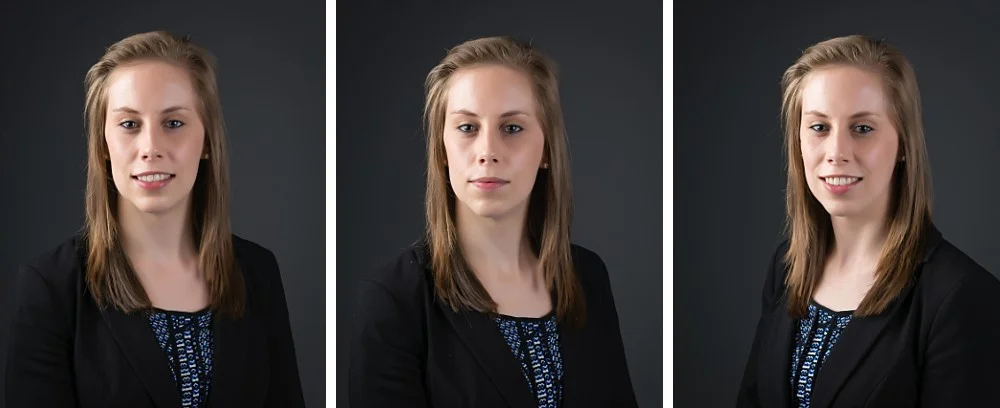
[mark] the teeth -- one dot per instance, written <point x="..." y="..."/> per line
<point x="840" y="181"/>
<point x="153" y="177"/>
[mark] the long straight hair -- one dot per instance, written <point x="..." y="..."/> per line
<point x="909" y="220"/>
<point x="550" y="204"/>
<point x="110" y="277"/>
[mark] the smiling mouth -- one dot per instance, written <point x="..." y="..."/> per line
<point x="841" y="181"/>
<point x="152" y="178"/>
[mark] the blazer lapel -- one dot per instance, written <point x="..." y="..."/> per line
<point x="136" y="339"/>
<point x="230" y="361"/>
<point x="776" y="367"/>
<point x="577" y="375"/>
<point x="852" y="347"/>
<point x="858" y="338"/>
<point x="483" y="338"/>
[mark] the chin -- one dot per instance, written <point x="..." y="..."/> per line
<point x="841" y="209"/>
<point x="153" y="205"/>
<point x="489" y="209"/>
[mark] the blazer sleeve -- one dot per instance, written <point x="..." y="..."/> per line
<point x="286" y="387"/>
<point x="773" y="286"/>
<point x="962" y="358"/>
<point x="623" y="394"/>
<point x="39" y="352"/>
<point x="386" y="364"/>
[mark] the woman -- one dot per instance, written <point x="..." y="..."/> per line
<point x="495" y="307"/>
<point x="866" y="304"/>
<point x="155" y="302"/>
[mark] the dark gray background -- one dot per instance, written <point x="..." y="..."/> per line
<point x="271" y="61"/>
<point x="729" y="171"/>
<point x="611" y="60"/>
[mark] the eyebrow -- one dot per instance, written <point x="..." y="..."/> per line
<point x="171" y="109"/>
<point x="503" y="115"/>
<point x="854" y="116"/>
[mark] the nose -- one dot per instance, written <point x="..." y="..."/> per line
<point x="149" y="143"/>
<point x="489" y="147"/>
<point x="839" y="146"/>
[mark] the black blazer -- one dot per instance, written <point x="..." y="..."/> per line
<point x="410" y="350"/>
<point x="66" y="352"/>
<point x="937" y="345"/>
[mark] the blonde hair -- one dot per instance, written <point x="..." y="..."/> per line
<point x="550" y="207"/>
<point x="808" y="223"/>
<point x="110" y="277"/>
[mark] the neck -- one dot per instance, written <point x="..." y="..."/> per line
<point x="495" y="247"/>
<point x="858" y="240"/>
<point x="163" y="237"/>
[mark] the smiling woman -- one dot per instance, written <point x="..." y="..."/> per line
<point x="866" y="304"/>
<point x="155" y="302"/>
<point x="495" y="307"/>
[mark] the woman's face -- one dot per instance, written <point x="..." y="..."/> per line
<point x="849" y="144"/>
<point x="155" y="135"/>
<point x="493" y="140"/>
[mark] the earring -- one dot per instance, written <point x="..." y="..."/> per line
<point x="545" y="165"/>
<point x="205" y="157"/>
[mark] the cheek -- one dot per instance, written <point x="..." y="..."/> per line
<point x="192" y="144"/>
<point x="882" y="155"/>
<point x="811" y="154"/>
<point x="534" y="148"/>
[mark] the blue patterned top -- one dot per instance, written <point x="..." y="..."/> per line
<point x="535" y="344"/>
<point x="186" y="338"/>
<point x="818" y="332"/>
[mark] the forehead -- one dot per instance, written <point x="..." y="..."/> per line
<point x="150" y="86"/>
<point x="843" y="90"/>
<point x="490" y="89"/>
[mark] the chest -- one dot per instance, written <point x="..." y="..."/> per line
<point x="519" y="299"/>
<point x="181" y="290"/>
<point x="842" y="292"/>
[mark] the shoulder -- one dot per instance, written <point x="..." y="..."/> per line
<point x="406" y="278"/>
<point x="948" y="273"/>
<point x="247" y="251"/>
<point x="777" y="271"/>
<point x="590" y="267"/>
<point x="393" y="298"/>
<point x="592" y="272"/>
<point x="52" y="280"/>
<point x="260" y="271"/>
<point x="60" y="266"/>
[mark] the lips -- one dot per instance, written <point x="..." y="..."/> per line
<point x="152" y="176"/>
<point x="839" y="180"/>
<point x="489" y="183"/>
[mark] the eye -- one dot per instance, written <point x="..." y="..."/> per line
<point x="173" y="124"/>
<point x="512" y="129"/>
<point x="129" y="124"/>
<point x="863" y="129"/>
<point x="466" y="128"/>
<point x="818" y="128"/>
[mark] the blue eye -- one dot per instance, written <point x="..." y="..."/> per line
<point x="512" y="129"/>
<point x="173" y="124"/>
<point x="466" y="128"/>
<point x="863" y="128"/>
<point x="129" y="124"/>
